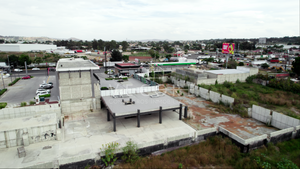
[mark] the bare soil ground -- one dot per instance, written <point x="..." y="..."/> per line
<point x="201" y="116"/>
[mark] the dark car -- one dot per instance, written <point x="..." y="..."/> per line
<point x="52" y="69"/>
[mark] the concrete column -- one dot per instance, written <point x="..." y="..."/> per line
<point x="114" y="116"/>
<point x="185" y="111"/>
<point x="108" y="115"/>
<point x="138" y="118"/>
<point x="58" y="134"/>
<point x="57" y="82"/>
<point x="25" y="139"/>
<point x="160" y="115"/>
<point x="180" y="111"/>
<point x="92" y="83"/>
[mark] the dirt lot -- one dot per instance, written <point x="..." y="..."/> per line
<point x="201" y="116"/>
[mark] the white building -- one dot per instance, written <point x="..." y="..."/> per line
<point x="26" y="47"/>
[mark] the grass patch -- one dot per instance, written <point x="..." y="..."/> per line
<point x="218" y="152"/>
<point x="3" y="105"/>
<point x="109" y="78"/>
<point x="140" y="54"/>
<point x="247" y="94"/>
<point x="2" y="91"/>
<point x="45" y="95"/>
<point x="14" y="82"/>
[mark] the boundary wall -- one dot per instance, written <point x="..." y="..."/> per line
<point x="129" y="91"/>
<point x="204" y="93"/>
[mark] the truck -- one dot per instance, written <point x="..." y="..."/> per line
<point x="274" y="60"/>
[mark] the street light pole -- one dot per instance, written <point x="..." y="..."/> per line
<point x="9" y="69"/>
<point x="105" y="59"/>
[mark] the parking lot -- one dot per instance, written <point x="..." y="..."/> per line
<point x="24" y="90"/>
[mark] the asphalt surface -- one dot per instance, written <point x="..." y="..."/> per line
<point x="24" y="90"/>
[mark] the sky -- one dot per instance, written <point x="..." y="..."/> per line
<point x="150" y="19"/>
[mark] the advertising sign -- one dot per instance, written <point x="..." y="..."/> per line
<point x="228" y="48"/>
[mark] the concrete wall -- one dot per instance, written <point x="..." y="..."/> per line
<point x="74" y="86"/>
<point x="10" y="113"/>
<point x="281" y="135"/>
<point x="214" y="96"/>
<point x="277" y="120"/>
<point x="129" y="91"/>
<point x="78" y="105"/>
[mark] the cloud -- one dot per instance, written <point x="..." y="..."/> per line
<point x="144" y="19"/>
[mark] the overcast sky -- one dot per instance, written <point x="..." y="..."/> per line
<point x="150" y="19"/>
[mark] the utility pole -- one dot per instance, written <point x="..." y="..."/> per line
<point x="9" y="68"/>
<point x="105" y="59"/>
<point x="2" y="81"/>
<point x="26" y="68"/>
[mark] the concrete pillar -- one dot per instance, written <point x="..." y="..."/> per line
<point x="185" y="111"/>
<point x="108" y="115"/>
<point x="25" y="139"/>
<point x="160" y="115"/>
<point x="138" y="118"/>
<point x="180" y="111"/>
<point x="58" y="134"/>
<point x="114" y="116"/>
<point x="92" y="83"/>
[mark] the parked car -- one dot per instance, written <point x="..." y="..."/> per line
<point x="26" y="77"/>
<point x="46" y="86"/>
<point x="52" y="69"/>
<point x="42" y="90"/>
<point x="36" y="68"/>
<point x="42" y="93"/>
<point x="121" y="76"/>
<point x="18" y="70"/>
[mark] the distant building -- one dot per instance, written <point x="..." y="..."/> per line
<point x="26" y="47"/>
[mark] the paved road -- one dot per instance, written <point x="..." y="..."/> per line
<point x="24" y="90"/>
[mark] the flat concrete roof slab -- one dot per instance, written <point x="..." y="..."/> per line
<point x="70" y="64"/>
<point x="130" y="83"/>
<point x="27" y="122"/>
<point x="143" y="102"/>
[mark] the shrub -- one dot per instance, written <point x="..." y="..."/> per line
<point x="23" y="104"/>
<point x="45" y="95"/>
<point x="13" y="82"/>
<point x="227" y="84"/>
<point x="286" y="164"/>
<point x="32" y="102"/>
<point x="125" y="78"/>
<point x="249" y="79"/>
<point x="104" y="88"/>
<point x="109" y="78"/>
<point x="109" y="152"/>
<point x="2" y="91"/>
<point x="3" y="105"/>
<point x="130" y="152"/>
<point x="238" y="81"/>
<point x="216" y="82"/>
<point x="145" y="76"/>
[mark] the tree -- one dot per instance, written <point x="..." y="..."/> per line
<point x="13" y="60"/>
<point x="124" y="45"/>
<point x="95" y="44"/>
<point x="168" y="57"/>
<point x="116" y="55"/>
<point x="296" y="66"/>
<point x="24" y="58"/>
<point x="265" y="66"/>
<point x="125" y="58"/>
<point x="241" y="63"/>
<point x="186" y="47"/>
<point x="38" y="60"/>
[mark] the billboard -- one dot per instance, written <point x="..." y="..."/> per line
<point x="228" y="48"/>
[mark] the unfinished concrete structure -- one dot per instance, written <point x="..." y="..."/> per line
<point x="77" y="89"/>
<point x="210" y="76"/>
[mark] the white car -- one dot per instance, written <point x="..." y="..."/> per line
<point x="42" y="90"/>
<point x="36" y="68"/>
<point x="121" y="76"/>
<point x="42" y="93"/>
<point x="18" y="70"/>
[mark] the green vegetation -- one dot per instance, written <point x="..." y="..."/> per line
<point x="109" y="78"/>
<point x="247" y="94"/>
<point x="45" y="95"/>
<point x="140" y="54"/>
<point x="3" y="105"/>
<point x="104" y="88"/>
<point x="2" y="91"/>
<point x="218" y="152"/>
<point x="23" y="104"/>
<point x="110" y="150"/>
<point x="14" y="82"/>
<point x="130" y="152"/>
<point x="32" y="102"/>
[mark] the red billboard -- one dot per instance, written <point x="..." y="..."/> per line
<point x="228" y="48"/>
